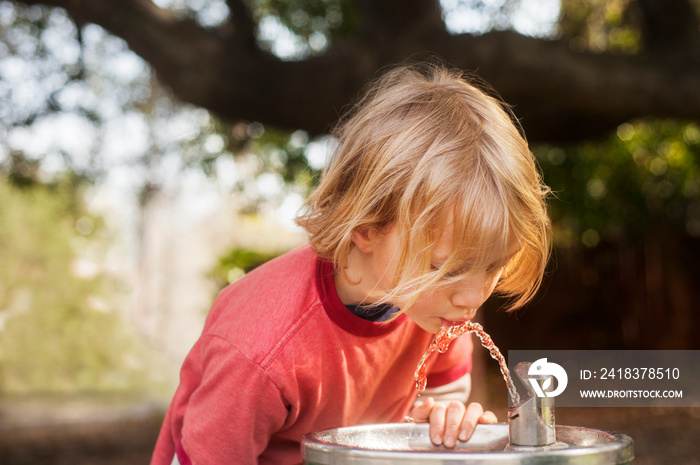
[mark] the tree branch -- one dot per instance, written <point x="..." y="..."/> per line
<point x="669" y="24"/>
<point x="558" y="94"/>
<point x="563" y="95"/>
<point x="243" y="24"/>
<point x="399" y="17"/>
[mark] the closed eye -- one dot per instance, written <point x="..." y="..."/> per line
<point x="490" y="269"/>
<point x="452" y="273"/>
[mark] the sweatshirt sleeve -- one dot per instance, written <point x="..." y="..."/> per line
<point x="235" y="410"/>
<point x="458" y="390"/>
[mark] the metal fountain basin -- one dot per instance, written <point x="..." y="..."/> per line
<point x="410" y="444"/>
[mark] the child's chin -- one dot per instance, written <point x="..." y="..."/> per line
<point x="430" y="327"/>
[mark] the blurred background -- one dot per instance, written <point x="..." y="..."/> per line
<point x="151" y="152"/>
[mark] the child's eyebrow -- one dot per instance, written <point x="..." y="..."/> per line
<point x="439" y="261"/>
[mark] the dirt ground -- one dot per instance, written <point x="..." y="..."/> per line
<point x="77" y="431"/>
<point x="124" y="435"/>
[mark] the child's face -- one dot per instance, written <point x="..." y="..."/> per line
<point x="447" y="305"/>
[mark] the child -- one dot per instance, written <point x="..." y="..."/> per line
<point x="430" y="203"/>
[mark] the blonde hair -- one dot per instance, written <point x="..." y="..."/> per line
<point x="423" y="145"/>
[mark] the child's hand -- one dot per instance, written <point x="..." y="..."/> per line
<point x="452" y="421"/>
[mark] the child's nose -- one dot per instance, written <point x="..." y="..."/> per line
<point x="468" y="297"/>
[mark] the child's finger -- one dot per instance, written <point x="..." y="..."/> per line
<point x="471" y="418"/>
<point x="488" y="418"/>
<point x="453" y="421"/>
<point x="422" y="411"/>
<point x="437" y="423"/>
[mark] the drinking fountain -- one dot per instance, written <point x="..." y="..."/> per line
<point x="530" y="437"/>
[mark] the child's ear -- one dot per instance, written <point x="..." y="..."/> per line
<point x="364" y="239"/>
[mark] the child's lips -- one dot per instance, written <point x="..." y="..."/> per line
<point x="447" y="323"/>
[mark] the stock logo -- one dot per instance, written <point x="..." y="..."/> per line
<point x="542" y="368"/>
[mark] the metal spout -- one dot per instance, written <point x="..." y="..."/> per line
<point x="531" y="421"/>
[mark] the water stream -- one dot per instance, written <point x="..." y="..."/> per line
<point x="446" y="335"/>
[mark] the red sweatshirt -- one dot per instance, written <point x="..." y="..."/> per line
<point x="280" y="356"/>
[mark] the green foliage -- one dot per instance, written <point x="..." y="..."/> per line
<point x="263" y="165"/>
<point x="59" y="332"/>
<point x="237" y="262"/>
<point x="601" y="25"/>
<point x="315" y="23"/>
<point x="644" y="177"/>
